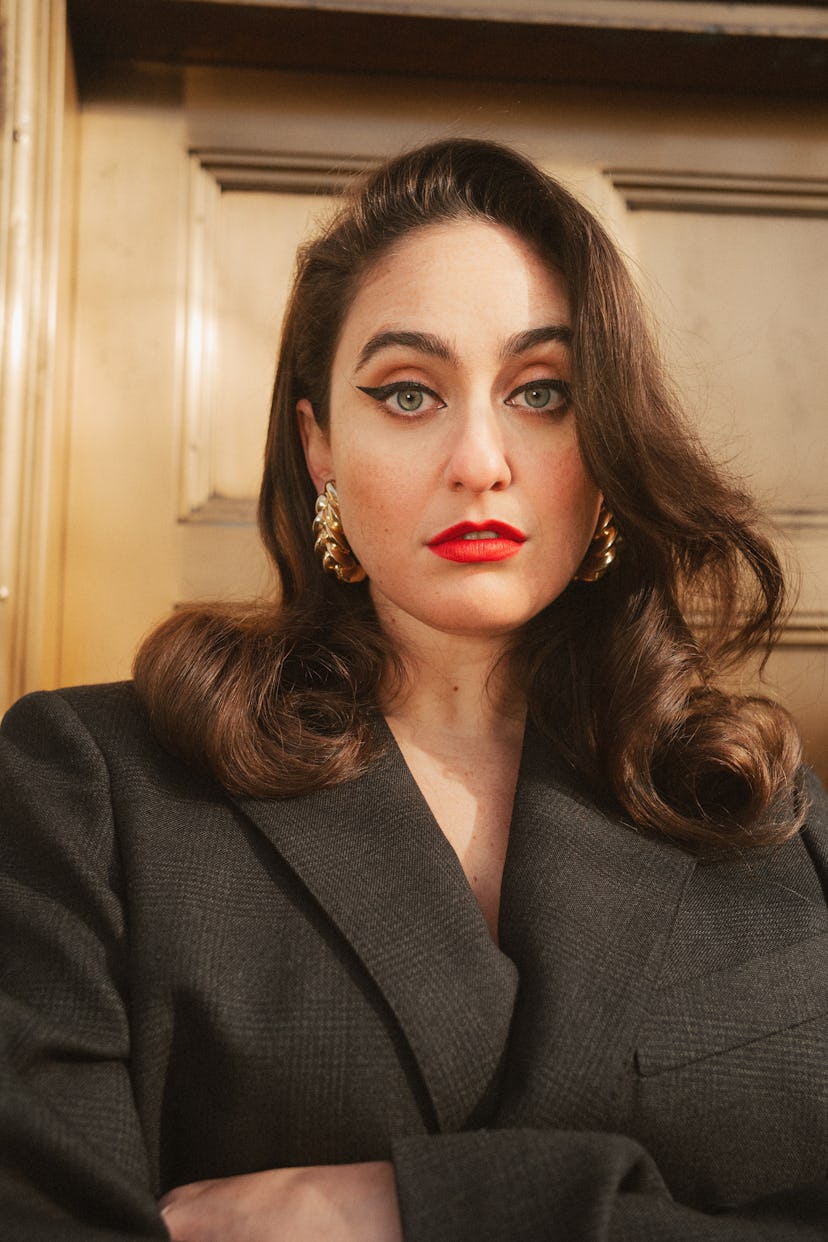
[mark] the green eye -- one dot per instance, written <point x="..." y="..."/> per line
<point x="538" y="396"/>
<point x="401" y="398"/>
<point x="409" y="399"/>
<point x="551" y="396"/>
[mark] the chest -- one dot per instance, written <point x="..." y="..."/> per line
<point x="470" y="793"/>
<point x="292" y="1011"/>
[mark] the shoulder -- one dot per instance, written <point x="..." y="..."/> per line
<point x="97" y="732"/>
<point x="81" y="717"/>
<point x="813" y="790"/>
<point x="111" y="700"/>
<point x="764" y="901"/>
<point x="814" y="833"/>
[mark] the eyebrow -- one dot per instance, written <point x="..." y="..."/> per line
<point x="521" y="342"/>
<point x="436" y="347"/>
<point x="422" y="342"/>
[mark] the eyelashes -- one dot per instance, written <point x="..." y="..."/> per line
<point x="411" y="398"/>
<point x="547" y="396"/>
<point x="408" y="398"/>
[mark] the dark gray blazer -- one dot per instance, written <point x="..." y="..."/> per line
<point x="195" y="985"/>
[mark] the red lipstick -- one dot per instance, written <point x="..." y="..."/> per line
<point x="471" y="543"/>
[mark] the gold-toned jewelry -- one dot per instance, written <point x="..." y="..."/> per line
<point x="331" y="545"/>
<point x="601" y="552"/>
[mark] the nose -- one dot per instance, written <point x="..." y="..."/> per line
<point x="478" y="460"/>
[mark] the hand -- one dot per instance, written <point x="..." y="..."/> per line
<point x="318" y="1203"/>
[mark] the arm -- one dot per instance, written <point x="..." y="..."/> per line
<point x="486" y="1186"/>
<point x="72" y="1147"/>
<point x="531" y="1186"/>
<point x="73" y="1158"/>
<point x="321" y="1203"/>
<point x="526" y="1185"/>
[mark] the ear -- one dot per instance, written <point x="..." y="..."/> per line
<point x="316" y="445"/>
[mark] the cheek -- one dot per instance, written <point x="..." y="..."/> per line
<point x="372" y="501"/>
<point x="571" y="493"/>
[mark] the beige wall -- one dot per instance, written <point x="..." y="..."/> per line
<point x="181" y="266"/>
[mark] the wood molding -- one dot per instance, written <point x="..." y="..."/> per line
<point x="805" y="629"/>
<point x="721" y="193"/>
<point x="224" y="511"/>
<point x="793" y="521"/>
<point x="197" y="342"/>
<point x="281" y="172"/>
<point x="785" y="18"/>
<point x="214" y="173"/>
<point x="31" y="205"/>
<point x="730" y="194"/>
<point x="747" y="50"/>
<point x="734" y="194"/>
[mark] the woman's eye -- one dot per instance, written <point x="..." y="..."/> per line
<point x="402" y="398"/>
<point x="408" y="399"/>
<point x="547" y="395"/>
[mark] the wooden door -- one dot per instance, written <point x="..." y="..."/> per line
<point x="196" y="186"/>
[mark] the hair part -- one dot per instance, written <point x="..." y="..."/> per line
<point x="621" y="676"/>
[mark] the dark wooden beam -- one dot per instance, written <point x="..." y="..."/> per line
<point x="181" y="32"/>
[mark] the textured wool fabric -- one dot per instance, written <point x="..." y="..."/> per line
<point x="195" y="986"/>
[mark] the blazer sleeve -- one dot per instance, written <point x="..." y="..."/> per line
<point x="74" y="1164"/>
<point x="550" y="1186"/>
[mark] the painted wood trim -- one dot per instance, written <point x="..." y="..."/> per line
<point x="213" y="173"/>
<point x="760" y="50"/>
<point x="31" y="212"/>
<point x="721" y="193"/>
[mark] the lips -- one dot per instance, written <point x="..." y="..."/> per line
<point x="470" y="543"/>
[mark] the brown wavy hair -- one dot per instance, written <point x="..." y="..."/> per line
<point x="623" y="676"/>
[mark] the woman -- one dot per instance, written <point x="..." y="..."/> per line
<point x="453" y="899"/>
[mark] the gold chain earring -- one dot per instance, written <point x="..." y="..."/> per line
<point x="330" y="543"/>
<point x="601" y="551"/>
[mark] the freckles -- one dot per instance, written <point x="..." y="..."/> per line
<point x="565" y="470"/>
<point x="370" y="505"/>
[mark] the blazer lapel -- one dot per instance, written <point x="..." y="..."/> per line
<point x="586" y="911"/>
<point x="375" y="860"/>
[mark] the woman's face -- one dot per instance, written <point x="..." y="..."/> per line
<point x="451" y="440"/>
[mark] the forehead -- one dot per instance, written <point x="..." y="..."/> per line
<point x="462" y="274"/>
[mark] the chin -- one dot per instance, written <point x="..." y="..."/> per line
<point x="480" y="609"/>
<point x="479" y="622"/>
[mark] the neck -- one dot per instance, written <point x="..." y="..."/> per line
<point x="457" y="686"/>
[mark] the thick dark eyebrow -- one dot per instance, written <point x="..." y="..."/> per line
<point x="422" y="342"/>
<point x="436" y="347"/>
<point x="523" y="341"/>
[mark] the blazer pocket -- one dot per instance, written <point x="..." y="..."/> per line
<point x="732" y="1008"/>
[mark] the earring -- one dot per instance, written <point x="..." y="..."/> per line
<point x="601" y="552"/>
<point x="331" y="545"/>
